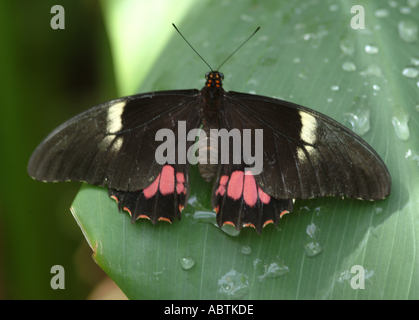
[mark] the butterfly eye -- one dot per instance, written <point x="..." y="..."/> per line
<point x="221" y="76"/>
<point x="207" y="75"/>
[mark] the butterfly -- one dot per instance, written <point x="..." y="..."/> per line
<point x="301" y="154"/>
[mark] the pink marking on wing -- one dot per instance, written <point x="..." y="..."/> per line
<point x="235" y="185"/>
<point x="264" y="198"/>
<point x="151" y="190"/>
<point x="180" y="180"/>
<point x="167" y="181"/>
<point x="250" y="190"/>
<point x="222" y="187"/>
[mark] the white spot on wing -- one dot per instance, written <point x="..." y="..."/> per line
<point x="311" y="153"/>
<point x="114" y="120"/>
<point x="308" y="128"/>
<point x="307" y="135"/>
<point x="109" y="140"/>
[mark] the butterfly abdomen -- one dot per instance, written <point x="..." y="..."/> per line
<point x="208" y="154"/>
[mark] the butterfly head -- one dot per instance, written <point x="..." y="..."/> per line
<point x="214" y="79"/>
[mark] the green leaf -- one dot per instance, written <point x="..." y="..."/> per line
<point x="307" y="53"/>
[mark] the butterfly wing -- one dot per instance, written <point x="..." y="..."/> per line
<point x="307" y="154"/>
<point x="110" y="144"/>
<point x="114" y="144"/>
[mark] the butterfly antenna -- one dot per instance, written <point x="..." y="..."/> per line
<point x="238" y="48"/>
<point x="192" y="47"/>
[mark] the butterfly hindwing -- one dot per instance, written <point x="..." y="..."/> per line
<point x="239" y="201"/>
<point x="163" y="199"/>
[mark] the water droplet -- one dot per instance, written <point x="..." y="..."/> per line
<point x="313" y="248"/>
<point x="321" y="209"/>
<point x="345" y="276"/>
<point x="333" y="7"/>
<point x="309" y="36"/>
<point x="348" y="66"/>
<point x="376" y="87"/>
<point x="410" y="72"/>
<point x="247" y="18"/>
<point x="372" y="70"/>
<point x="158" y="273"/>
<point x="411" y="156"/>
<point x="246" y="250"/>
<point x="329" y="100"/>
<point x="399" y="121"/>
<point x="335" y="88"/>
<point x="297" y="60"/>
<point x="392" y="3"/>
<point x="405" y="10"/>
<point x="371" y="49"/>
<point x="381" y="13"/>
<point x="378" y="210"/>
<point x="252" y="81"/>
<point x="417" y="107"/>
<point x="412" y="3"/>
<point x="347" y="44"/>
<point x="360" y="120"/>
<point x="256" y="262"/>
<point x="408" y="30"/>
<point x="187" y="263"/>
<point x="311" y="230"/>
<point x="274" y="270"/>
<point x="414" y="61"/>
<point x="204" y="216"/>
<point x="230" y="230"/>
<point x="234" y="284"/>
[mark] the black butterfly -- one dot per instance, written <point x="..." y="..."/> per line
<point x="305" y="155"/>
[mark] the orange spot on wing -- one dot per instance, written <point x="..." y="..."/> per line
<point x="282" y="213"/>
<point x="128" y="210"/>
<point x="229" y="223"/>
<point x="268" y="222"/>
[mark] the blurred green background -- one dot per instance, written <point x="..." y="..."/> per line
<point x="48" y="76"/>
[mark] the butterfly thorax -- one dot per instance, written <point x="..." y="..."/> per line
<point x="214" y="79"/>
